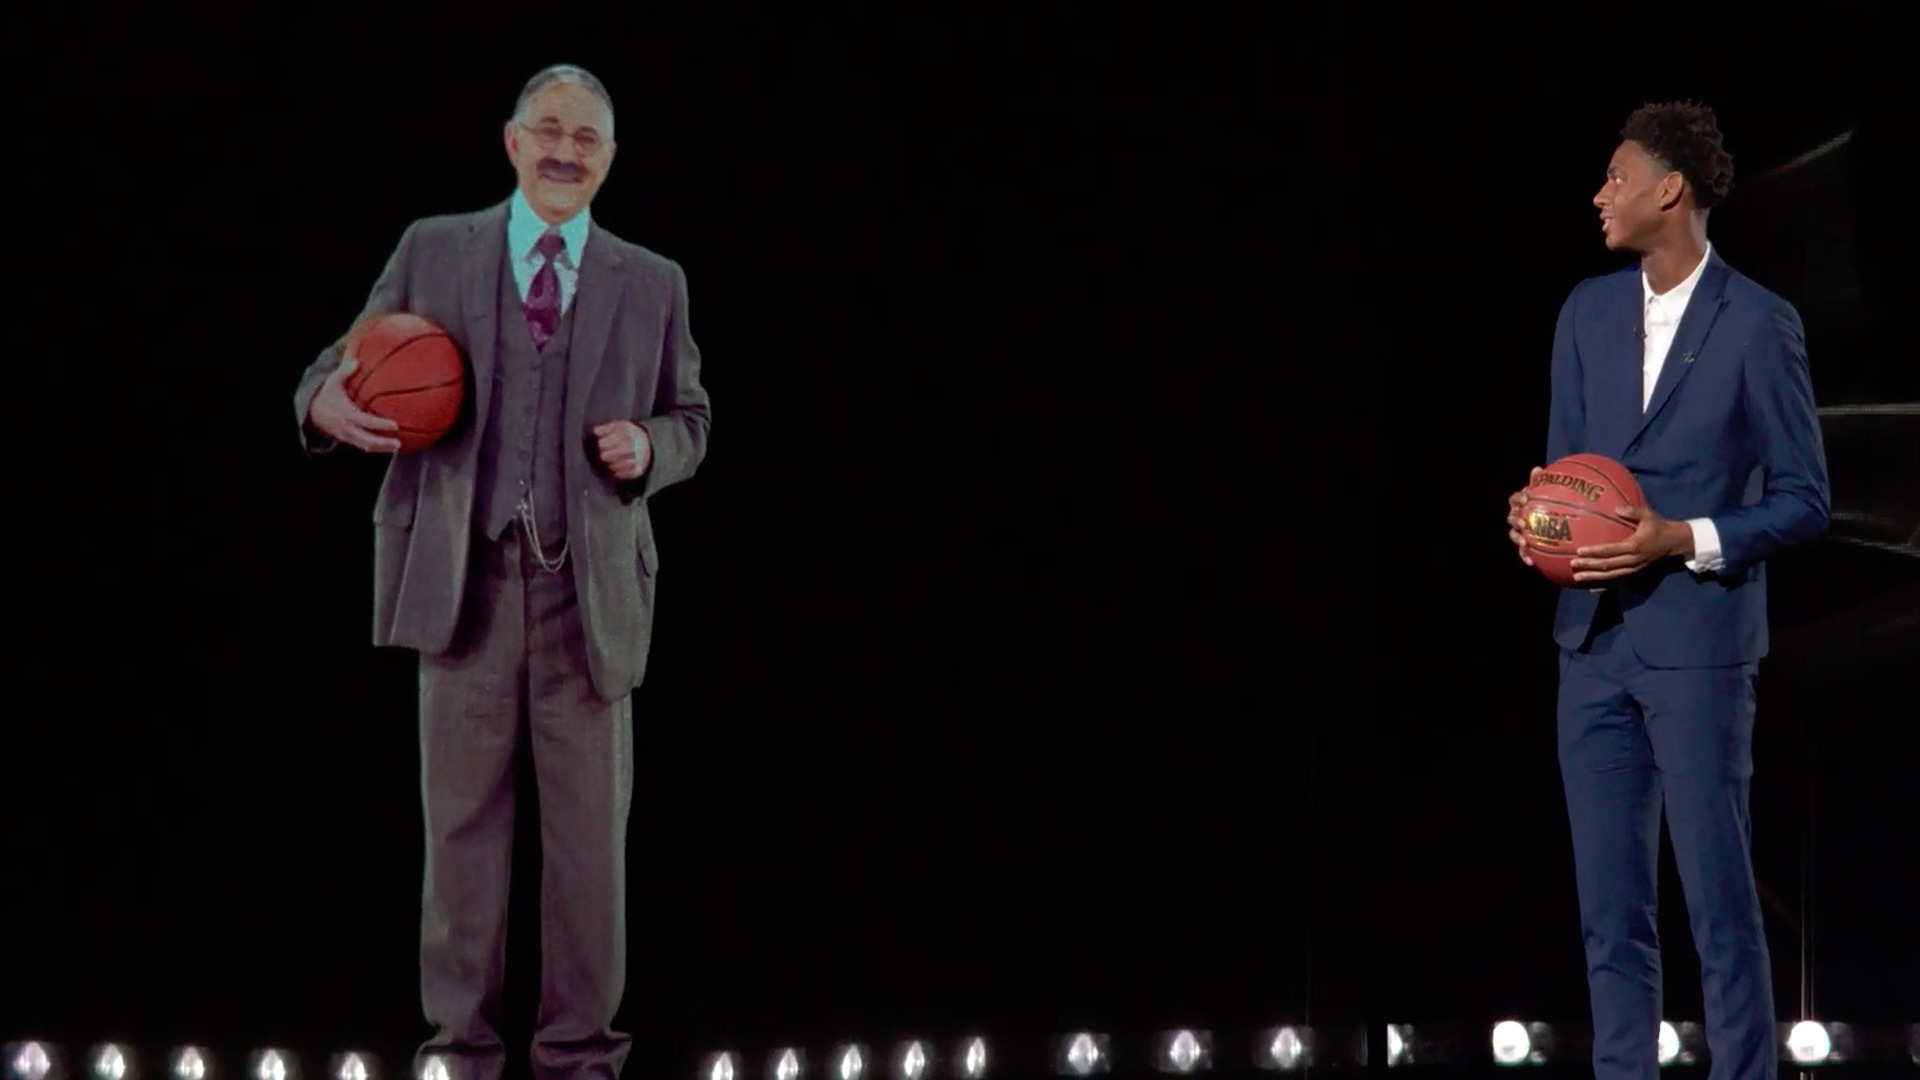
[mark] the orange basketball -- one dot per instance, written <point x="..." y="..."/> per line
<point x="1575" y="504"/>
<point x="411" y="373"/>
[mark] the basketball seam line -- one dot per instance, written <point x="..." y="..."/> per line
<point x="408" y="341"/>
<point x="364" y="374"/>
<point x="410" y="390"/>
<point x="1585" y="508"/>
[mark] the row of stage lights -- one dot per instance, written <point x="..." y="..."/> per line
<point x="1806" y="1044"/>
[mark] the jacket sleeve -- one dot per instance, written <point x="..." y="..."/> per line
<point x="1795" y="505"/>
<point x="682" y="412"/>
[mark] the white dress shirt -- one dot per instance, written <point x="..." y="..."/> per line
<point x="1661" y="321"/>
<point x="524" y="229"/>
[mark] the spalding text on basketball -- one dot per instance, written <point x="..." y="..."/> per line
<point x="1579" y="485"/>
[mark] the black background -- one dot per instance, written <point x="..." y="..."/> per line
<point x="1093" y="610"/>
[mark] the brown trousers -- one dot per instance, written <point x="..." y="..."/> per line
<point x="519" y="658"/>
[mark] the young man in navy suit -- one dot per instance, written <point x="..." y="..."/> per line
<point x="1695" y="378"/>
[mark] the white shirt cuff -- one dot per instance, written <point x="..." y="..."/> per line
<point x="1706" y="547"/>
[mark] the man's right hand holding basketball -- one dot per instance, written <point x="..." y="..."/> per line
<point x="335" y="415"/>
<point x="1517" y="526"/>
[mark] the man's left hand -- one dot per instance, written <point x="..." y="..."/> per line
<point x="1654" y="538"/>
<point x="625" y="449"/>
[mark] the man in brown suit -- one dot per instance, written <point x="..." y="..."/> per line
<point x="517" y="557"/>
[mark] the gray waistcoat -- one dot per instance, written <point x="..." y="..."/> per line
<point x="522" y="447"/>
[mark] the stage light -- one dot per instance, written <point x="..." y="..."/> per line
<point x="273" y="1064"/>
<point x="973" y="1059"/>
<point x="110" y="1061"/>
<point x="1681" y="1044"/>
<point x="719" y="1066"/>
<point x="434" y="1067"/>
<point x="1082" y="1055"/>
<point x="1286" y="1049"/>
<point x="911" y="1062"/>
<point x="1184" y="1052"/>
<point x="850" y="1062"/>
<point x="1913" y="1043"/>
<point x="353" y="1065"/>
<point x="1814" y="1043"/>
<point x="33" y="1061"/>
<point x="1669" y="1043"/>
<point x="1515" y="1043"/>
<point x="788" y="1064"/>
<point x="1510" y="1042"/>
<point x="1399" y="1044"/>
<point x="1809" y="1043"/>
<point x="190" y="1063"/>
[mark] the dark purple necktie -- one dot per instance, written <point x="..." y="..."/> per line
<point x="543" y="299"/>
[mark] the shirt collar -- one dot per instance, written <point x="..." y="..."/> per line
<point x="524" y="229"/>
<point x="1679" y="294"/>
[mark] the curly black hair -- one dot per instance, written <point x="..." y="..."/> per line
<point x="1685" y="137"/>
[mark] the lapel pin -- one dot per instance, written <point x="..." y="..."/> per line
<point x="1686" y="358"/>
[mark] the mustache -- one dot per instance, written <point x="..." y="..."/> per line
<point x="560" y="170"/>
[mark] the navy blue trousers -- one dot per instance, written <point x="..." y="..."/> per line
<point x="1635" y="740"/>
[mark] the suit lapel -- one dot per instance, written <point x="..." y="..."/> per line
<point x="1623" y="392"/>
<point x="1709" y="298"/>
<point x="480" y="266"/>
<point x="596" y="301"/>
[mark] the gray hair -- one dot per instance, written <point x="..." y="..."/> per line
<point x="564" y="73"/>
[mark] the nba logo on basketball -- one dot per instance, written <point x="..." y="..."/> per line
<point x="1549" y="528"/>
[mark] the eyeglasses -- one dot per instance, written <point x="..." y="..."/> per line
<point x="549" y="136"/>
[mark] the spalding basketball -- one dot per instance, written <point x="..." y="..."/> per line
<point x="411" y="373"/>
<point x="1576" y="503"/>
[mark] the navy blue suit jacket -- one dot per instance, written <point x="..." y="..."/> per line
<point x="1731" y="434"/>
